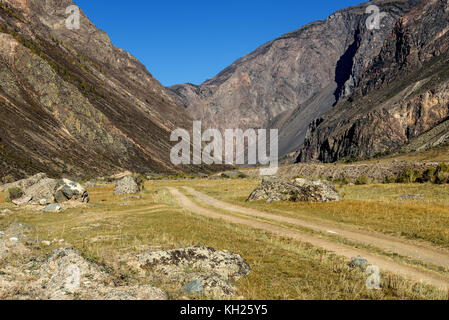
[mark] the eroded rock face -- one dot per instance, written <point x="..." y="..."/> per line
<point x="401" y="99"/>
<point x="274" y="189"/>
<point x="215" y="270"/>
<point x="83" y="124"/>
<point x="126" y="185"/>
<point x="313" y="66"/>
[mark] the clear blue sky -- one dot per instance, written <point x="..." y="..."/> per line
<point x="190" y="41"/>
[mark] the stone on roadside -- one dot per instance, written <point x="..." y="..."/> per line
<point x="274" y="189"/>
<point x="358" y="262"/>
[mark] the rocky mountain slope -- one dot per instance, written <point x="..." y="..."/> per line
<point x="72" y="102"/>
<point x="402" y="99"/>
<point x="290" y="81"/>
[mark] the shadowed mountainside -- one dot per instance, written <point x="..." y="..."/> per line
<point x="401" y="102"/>
<point x="290" y="81"/>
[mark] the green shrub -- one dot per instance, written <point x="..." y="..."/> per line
<point x="14" y="194"/>
<point x="362" y="180"/>
<point x="344" y="181"/>
<point x="428" y="176"/>
<point x="389" y="180"/>
<point x="442" y="174"/>
<point x="442" y="177"/>
<point x="408" y="176"/>
<point x="140" y="180"/>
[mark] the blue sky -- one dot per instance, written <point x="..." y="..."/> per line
<point x="191" y="41"/>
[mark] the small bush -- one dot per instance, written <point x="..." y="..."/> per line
<point x="344" y="181"/>
<point x="408" y="176"/>
<point x="428" y="176"/>
<point x="14" y="194"/>
<point x="442" y="177"/>
<point x="362" y="180"/>
<point x="140" y="180"/>
<point x="389" y="180"/>
<point x="442" y="174"/>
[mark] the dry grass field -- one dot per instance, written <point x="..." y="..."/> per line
<point x="113" y="228"/>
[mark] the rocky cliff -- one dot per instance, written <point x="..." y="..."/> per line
<point x="290" y="81"/>
<point x="71" y="102"/>
<point x="402" y="99"/>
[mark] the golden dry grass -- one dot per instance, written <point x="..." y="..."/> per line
<point x="281" y="268"/>
<point x="375" y="207"/>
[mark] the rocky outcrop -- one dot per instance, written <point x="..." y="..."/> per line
<point x="70" y="99"/>
<point x="401" y="100"/>
<point x="380" y="171"/>
<point x="273" y="189"/>
<point x="203" y="269"/>
<point x="66" y="273"/>
<point x="290" y="81"/>
<point x="126" y="185"/>
<point x="40" y="190"/>
<point x="66" y="190"/>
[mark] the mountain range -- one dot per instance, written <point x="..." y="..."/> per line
<point x="71" y="102"/>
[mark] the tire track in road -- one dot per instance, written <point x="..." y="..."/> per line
<point x="383" y="263"/>
<point x="403" y="247"/>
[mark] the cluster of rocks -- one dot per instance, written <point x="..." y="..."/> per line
<point x="273" y="189"/>
<point x="202" y="270"/>
<point x="65" y="274"/>
<point x="43" y="191"/>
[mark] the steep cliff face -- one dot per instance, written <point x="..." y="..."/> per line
<point x="402" y="99"/>
<point x="286" y="74"/>
<point x="71" y="102"/>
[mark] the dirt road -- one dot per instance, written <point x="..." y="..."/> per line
<point x="408" y="248"/>
<point x="384" y="263"/>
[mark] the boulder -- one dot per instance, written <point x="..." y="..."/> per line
<point x="22" y="201"/>
<point x="66" y="190"/>
<point x="126" y="185"/>
<point x="274" y="189"/>
<point x="194" y="287"/>
<point x="358" y="262"/>
<point x="227" y="265"/>
<point x="53" y="208"/>
<point x="24" y="183"/>
<point x="42" y="190"/>
<point x="205" y="270"/>
<point x="66" y="274"/>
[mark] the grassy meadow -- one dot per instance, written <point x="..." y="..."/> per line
<point x="112" y="228"/>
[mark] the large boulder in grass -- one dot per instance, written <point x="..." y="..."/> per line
<point x="66" y="190"/>
<point x="126" y="185"/>
<point x="301" y="190"/>
<point x="203" y="270"/>
<point x="42" y="191"/>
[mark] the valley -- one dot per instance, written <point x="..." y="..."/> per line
<point x="295" y="251"/>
